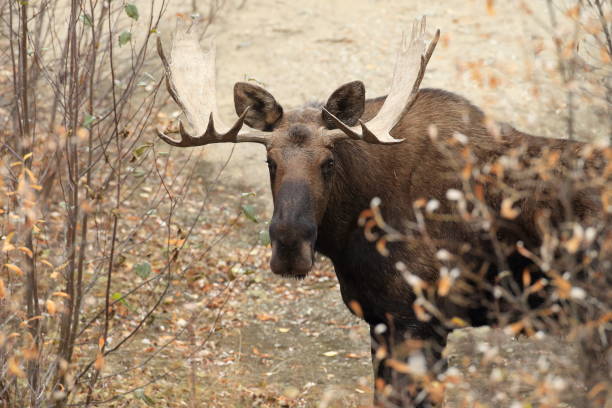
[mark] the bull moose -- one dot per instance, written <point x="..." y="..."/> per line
<point x="343" y="172"/>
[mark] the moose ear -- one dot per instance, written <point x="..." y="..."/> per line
<point x="265" y="112"/>
<point x="347" y="103"/>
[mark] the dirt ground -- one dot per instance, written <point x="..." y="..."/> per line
<point x="277" y="342"/>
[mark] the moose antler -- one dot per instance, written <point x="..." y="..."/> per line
<point x="409" y="70"/>
<point x="190" y="79"/>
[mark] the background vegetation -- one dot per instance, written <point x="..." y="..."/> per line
<point x="117" y="270"/>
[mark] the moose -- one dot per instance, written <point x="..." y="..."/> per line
<point x="344" y="172"/>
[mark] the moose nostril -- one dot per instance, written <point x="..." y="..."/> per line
<point x="285" y="245"/>
<point x="291" y="235"/>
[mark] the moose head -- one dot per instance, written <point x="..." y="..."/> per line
<point x="299" y="143"/>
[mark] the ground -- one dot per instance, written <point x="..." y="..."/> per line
<point x="259" y="340"/>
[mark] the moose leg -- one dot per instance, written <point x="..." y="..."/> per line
<point x="406" y="361"/>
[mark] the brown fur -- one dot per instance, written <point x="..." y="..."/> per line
<point x="321" y="185"/>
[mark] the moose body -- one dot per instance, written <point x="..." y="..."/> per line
<point x="325" y="171"/>
<point x="370" y="283"/>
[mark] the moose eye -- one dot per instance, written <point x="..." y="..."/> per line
<point x="271" y="166"/>
<point x="327" y="167"/>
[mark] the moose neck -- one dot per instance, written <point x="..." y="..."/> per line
<point x="363" y="171"/>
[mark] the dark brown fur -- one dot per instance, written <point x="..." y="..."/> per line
<point x="320" y="188"/>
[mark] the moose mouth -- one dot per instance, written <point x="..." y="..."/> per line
<point x="292" y="262"/>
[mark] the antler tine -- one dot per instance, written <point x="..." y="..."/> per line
<point x="409" y="71"/>
<point x="190" y="80"/>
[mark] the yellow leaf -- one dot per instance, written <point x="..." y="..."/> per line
<point x="13" y="368"/>
<point x="62" y="266"/>
<point x="283" y="330"/>
<point x="459" y="322"/>
<point x="507" y="211"/>
<point x="14" y="268"/>
<point x="45" y="262"/>
<point x="7" y="243"/>
<point x="330" y="353"/>
<point x="27" y="156"/>
<point x="51" y="307"/>
<point x="444" y="286"/>
<point x="26" y="251"/>
<point x="490" y="8"/>
<point x="31" y="175"/>
<point x="398" y="366"/>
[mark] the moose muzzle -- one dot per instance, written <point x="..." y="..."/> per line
<point x="293" y="231"/>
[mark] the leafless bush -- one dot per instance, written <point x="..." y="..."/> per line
<point x="565" y="267"/>
<point x="84" y="194"/>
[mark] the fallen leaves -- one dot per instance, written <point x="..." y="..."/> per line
<point x="264" y="317"/>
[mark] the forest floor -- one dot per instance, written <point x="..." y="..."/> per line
<point x="254" y="339"/>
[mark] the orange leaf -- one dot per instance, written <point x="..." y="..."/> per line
<point x="45" y="262"/>
<point x="490" y="8"/>
<point x="564" y="287"/>
<point x="515" y="328"/>
<point x="507" y="211"/>
<point x="398" y="366"/>
<point x="14" y="268"/>
<point x="537" y="286"/>
<point x="479" y="191"/>
<point x="526" y="277"/>
<point x="419" y="202"/>
<point x="356" y="308"/>
<point x="51" y="307"/>
<point x="574" y="12"/>
<point x="30" y="353"/>
<point x="605" y="55"/>
<point x="264" y="317"/>
<point x="26" y="251"/>
<point x="60" y="294"/>
<point x="99" y="364"/>
<point x="13" y="368"/>
<point x="444" y="286"/>
<point x="7" y="243"/>
<point x="2" y="289"/>
<point x="381" y="247"/>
